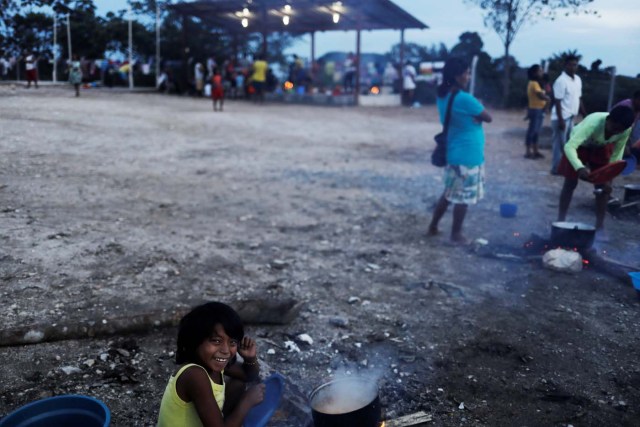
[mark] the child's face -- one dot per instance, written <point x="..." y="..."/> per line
<point x="216" y="351"/>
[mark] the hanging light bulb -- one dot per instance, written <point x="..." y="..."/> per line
<point x="245" y="22"/>
<point x="287" y="8"/>
<point x="285" y="19"/>
<point x="245" y="11"/>
<point x="336" y="17"/>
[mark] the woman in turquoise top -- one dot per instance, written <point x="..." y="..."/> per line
<point x="464" y="172"/>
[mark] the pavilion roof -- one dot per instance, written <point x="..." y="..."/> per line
<point x="304" y="15"/>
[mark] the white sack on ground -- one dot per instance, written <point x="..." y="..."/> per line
<point x="563" y="260"/>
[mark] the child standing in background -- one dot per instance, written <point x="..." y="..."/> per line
<point x="217" y="89"/>
<point x="198" y="394"/>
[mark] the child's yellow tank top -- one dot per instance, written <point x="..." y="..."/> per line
<point x="175" y="412"/>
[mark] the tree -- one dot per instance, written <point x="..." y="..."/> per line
<point x="469" y="45"/>
<point x="9" y="7"/>
<point x="507" y="17"/>
<point x="416" y="53"/>
<point x="11" y="12"/>
<point x="31" y="32"/>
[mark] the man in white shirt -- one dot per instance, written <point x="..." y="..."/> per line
<point x="567" y="94"/>
<point x="349" y="73"/>
<point x="408" y="83"/>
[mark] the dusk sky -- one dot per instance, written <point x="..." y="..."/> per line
<point x="614" y="37"/>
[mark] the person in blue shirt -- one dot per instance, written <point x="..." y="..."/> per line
<point x="464" y="172"/>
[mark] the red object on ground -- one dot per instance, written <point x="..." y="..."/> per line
<point x="607" y="173"/>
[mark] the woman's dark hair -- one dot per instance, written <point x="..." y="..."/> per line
<point x="532" y="72"/>
<point x="452" y="69"/>
<point x="199" y="324"/>
<point x="622" y="115"/>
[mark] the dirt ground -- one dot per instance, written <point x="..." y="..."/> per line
<point x="118" y="204"/>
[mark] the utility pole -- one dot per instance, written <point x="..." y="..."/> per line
<point x="157" y="42"/>
<point x="612" y="88"/>
<point x="474" y="67"/>
<point x="55" y="47"/>
<point x="69" y="36"/>
<point x="130" y="49"/>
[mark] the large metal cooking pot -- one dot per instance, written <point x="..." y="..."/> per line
<point x="346" y="402"/>
<point x="631" y="192"/>
<point x="572" y="234"/>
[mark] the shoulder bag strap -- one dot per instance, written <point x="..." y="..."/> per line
<point x="447" y="115"/>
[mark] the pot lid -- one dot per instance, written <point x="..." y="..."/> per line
<point x="568" y="225"/>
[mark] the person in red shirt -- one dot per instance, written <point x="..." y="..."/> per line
<point x="217" y="89"/>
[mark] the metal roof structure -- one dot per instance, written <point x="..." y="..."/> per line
<point x="299" y="16"/>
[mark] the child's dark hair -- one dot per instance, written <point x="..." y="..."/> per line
<point x="452" y="69"/>
<point x="532" y="72"/>
<point x="199" y="324"/>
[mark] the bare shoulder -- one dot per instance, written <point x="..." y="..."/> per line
<point x="193" y="379"/>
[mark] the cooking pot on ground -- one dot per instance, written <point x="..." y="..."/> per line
<point x="631" y="192"/>
<point x="572" y="234"/>
<point x="346" y="402"/>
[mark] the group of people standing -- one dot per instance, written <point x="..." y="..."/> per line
<point x="599" y="139"/>
<point x="234" y="78"/>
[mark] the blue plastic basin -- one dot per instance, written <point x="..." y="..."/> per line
<point x="635" y="278"/>
<point x="508" y="210"/>
<point x="60" y="411"/>
<point x="260" y="414"/>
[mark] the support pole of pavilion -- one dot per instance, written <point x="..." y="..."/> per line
<point x="356" y="89"/>
<point x="401" y="67"/>
<point x="313" y="56"/>
<point x="265" y="31"/>
<point x="313" y="47"/>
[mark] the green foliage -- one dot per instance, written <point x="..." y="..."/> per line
<point x="31" y="32"/>
<point x="469" y="45"/>
<point x="416" y="53"/>
<point x="507" y="17"/>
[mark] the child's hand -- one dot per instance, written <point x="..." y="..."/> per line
<point x="583" y="173"/>
<point x="248" y="349"/>
<point x="254" y="394"/>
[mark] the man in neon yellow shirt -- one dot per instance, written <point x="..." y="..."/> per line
<point x="597" y="141"/>
<point x="259" y="77"/>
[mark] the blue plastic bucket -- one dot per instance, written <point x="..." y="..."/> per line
<point x="631" y="165"/>
<point x="635" y="278"/>
<point x="508" y="210"/>
<point x="60" y="411"/>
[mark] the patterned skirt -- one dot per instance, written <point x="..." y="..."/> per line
<point x="463" y="185"/>
<point x="75" y="77"/>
